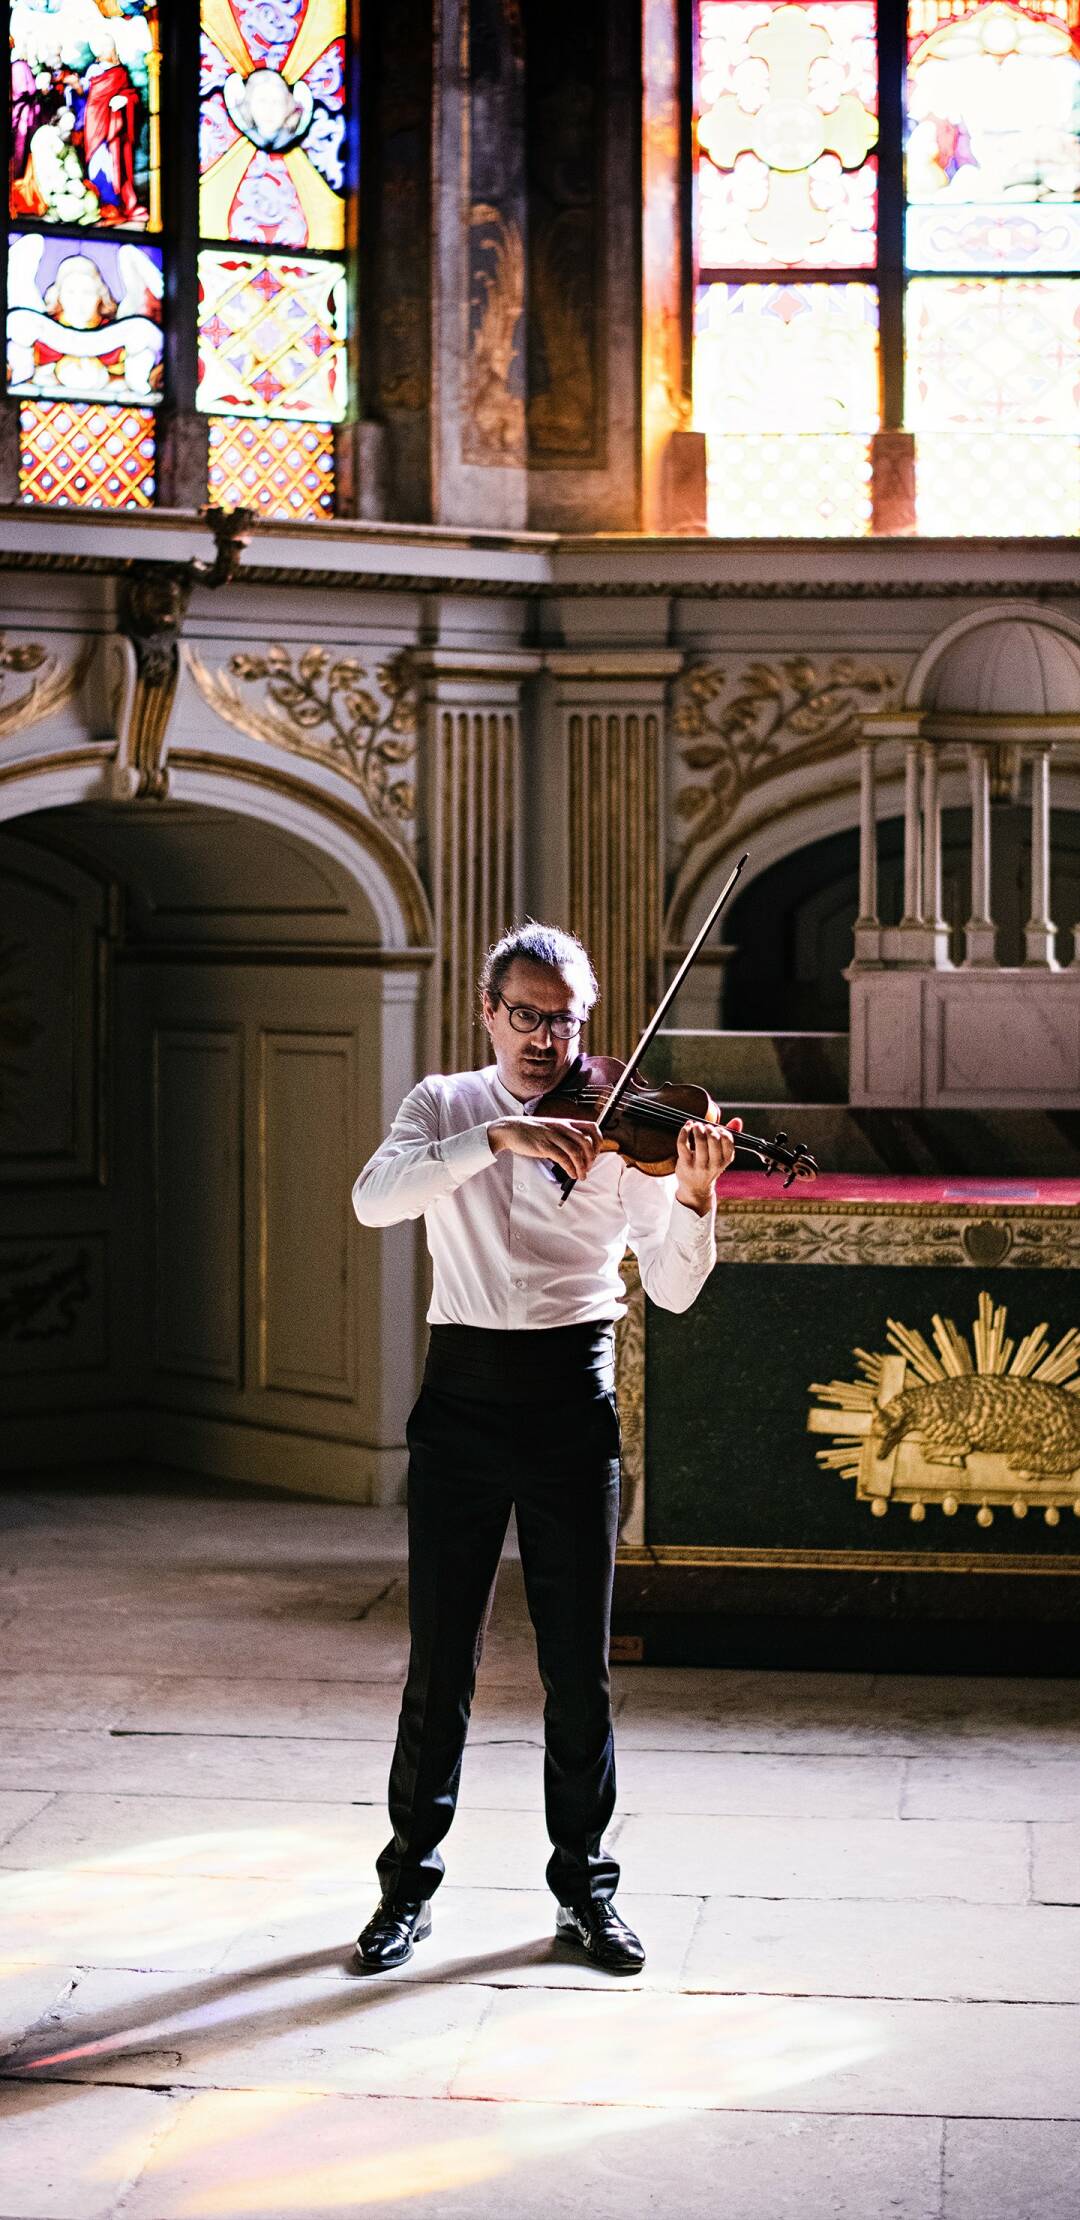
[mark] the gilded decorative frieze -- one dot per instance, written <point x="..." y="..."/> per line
<point x="928" y="1235"/>
<point x="736" y="733"/>
<point x="630" y="1384"/>
<point x="325" y="707"/>
<point x="987" y="1420"/>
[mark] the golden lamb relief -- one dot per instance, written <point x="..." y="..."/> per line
<point x="985" y="1422"/>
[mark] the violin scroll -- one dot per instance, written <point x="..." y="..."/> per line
<point x="779" y="1154"/>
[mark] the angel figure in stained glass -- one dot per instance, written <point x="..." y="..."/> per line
<point x="84" y="324"/>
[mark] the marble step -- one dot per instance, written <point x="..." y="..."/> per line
<point x="756" y="1067"/>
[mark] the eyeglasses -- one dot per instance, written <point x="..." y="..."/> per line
<point x="525" y="1019"/>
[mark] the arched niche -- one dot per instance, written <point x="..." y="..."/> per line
<point x="244" y="1005"/>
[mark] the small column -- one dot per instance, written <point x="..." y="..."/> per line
<point x="868" y="923"/>
<point x="1040" y="932"/>
<point x="937" y="930"/>
<point x="911" y="933"/>
<point x="980" y="932"/>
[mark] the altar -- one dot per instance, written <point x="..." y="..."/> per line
<point x="861" y="1446"/>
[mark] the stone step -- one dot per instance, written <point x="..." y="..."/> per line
<point x="755" y="1067"/>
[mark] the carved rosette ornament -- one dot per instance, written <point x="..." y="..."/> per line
<point x="987" y="1421"/>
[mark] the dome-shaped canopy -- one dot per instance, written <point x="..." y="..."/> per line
<point x="1013" y="666"/>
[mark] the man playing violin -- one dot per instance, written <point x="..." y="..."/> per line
<point x="517" y="1412"/>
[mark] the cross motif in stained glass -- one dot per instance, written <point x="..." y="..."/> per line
<point x="787" y="118"/>
<point x="84" y="112"/>
<point x="282" y="470"/>
<point x="77" y="454"/>
<point x="277" y="357"/>
<point x="993" y="136"/>
<point x="272" y="122"/>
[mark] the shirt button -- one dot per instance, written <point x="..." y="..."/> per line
<point x="519" y="1283"/>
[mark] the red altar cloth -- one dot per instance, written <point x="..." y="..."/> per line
<point x="869" y="1188"/>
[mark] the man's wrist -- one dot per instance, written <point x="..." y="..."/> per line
<point x="701" y="1205"/>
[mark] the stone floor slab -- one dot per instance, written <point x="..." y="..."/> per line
<point x="293" y="2021"/>
<point x="1011" y="2170"/>
<point x="958" y="1952"/>
<point x="126" y="1762"/>
<point x="75" y="1915"/>
<point x="277" y="1649"/>
<point x="49" y="1699"/>
<point x="1031" y="1787"/>
<point x="837" y="1858"/>
<point x="245" y="2156"/>
<point x="18" y="1807"/>
<point x="27" y="1990"/>
<point x="1055" y="1864"/>
<point x="777" y="2054"/>
<point x="338" y="1710"/>
<point x="71" y="2155"/>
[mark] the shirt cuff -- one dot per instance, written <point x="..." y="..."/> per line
<point x="466" y="1153"/>
<point x="690" y="1233"/>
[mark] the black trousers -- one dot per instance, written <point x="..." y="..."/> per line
<point x="523" y="1422"/>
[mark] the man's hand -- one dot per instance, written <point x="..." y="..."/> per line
<point x="572" y="1143"/>
<point x="704" y="1151"/>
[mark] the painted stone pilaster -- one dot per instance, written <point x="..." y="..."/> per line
<point x="396" y="266"/>
<point x="583" y="119"/>
<point x="595" y="752"/>
<point x="480" y="220"/>
<point x="469" y="823"/>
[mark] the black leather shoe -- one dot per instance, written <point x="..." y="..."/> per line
<point x="388" y="1938"/>
<point x="602" y="1935"/>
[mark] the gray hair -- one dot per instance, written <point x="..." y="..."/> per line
<point x="540" y="944"/>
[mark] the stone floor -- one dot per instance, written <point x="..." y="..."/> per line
<point x="861" y="1899"/>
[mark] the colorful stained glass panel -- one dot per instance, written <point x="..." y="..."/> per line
<point x="786" y="121"/>
<point x="84" y="318"/>
<point x="272" y="122"/>
<point x="271" y="337"/>
<point x="993" y="136"/>
<point x="282" y="470"/>
<point x="77" y="454"/>
<point x="786" y="358"/>
<point x="84" y="112"/>
<point x="788" y="485"/>
<point x="997" y="483"/>
<point x="1002" y="352"/>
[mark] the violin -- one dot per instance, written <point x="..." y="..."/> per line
<point x="645" y="1122"/>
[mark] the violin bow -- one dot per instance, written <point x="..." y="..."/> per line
<point x="663" y="1006"/>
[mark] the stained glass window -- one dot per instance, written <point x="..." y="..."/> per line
<point x="84" y="318"/>
<point x="77" y="453"/>
<point x="271" y="336"/>
<point x="92" y="262"/>
<point x="787" y="118"/>
<point x="272" y="122"/>
<point x="993" y="152"/>
<point x="979" y="345"/>
<point x="84" y="112"/>
<point x="284" y="470"/>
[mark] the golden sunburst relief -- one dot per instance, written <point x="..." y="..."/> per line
<point x="988" y="1421"/>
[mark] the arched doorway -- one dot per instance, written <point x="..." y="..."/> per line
<point x="207" y="1016"/>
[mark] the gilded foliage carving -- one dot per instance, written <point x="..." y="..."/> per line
<point x="774" y="717"/>
<point x="332" y="708"/>
<point x="770" y="1234"/>
<point x="45" y="693"/>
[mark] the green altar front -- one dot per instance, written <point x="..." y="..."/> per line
<point x="767" y="1516"/>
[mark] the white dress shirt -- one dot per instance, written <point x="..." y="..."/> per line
<point x="504" y="1253"/>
